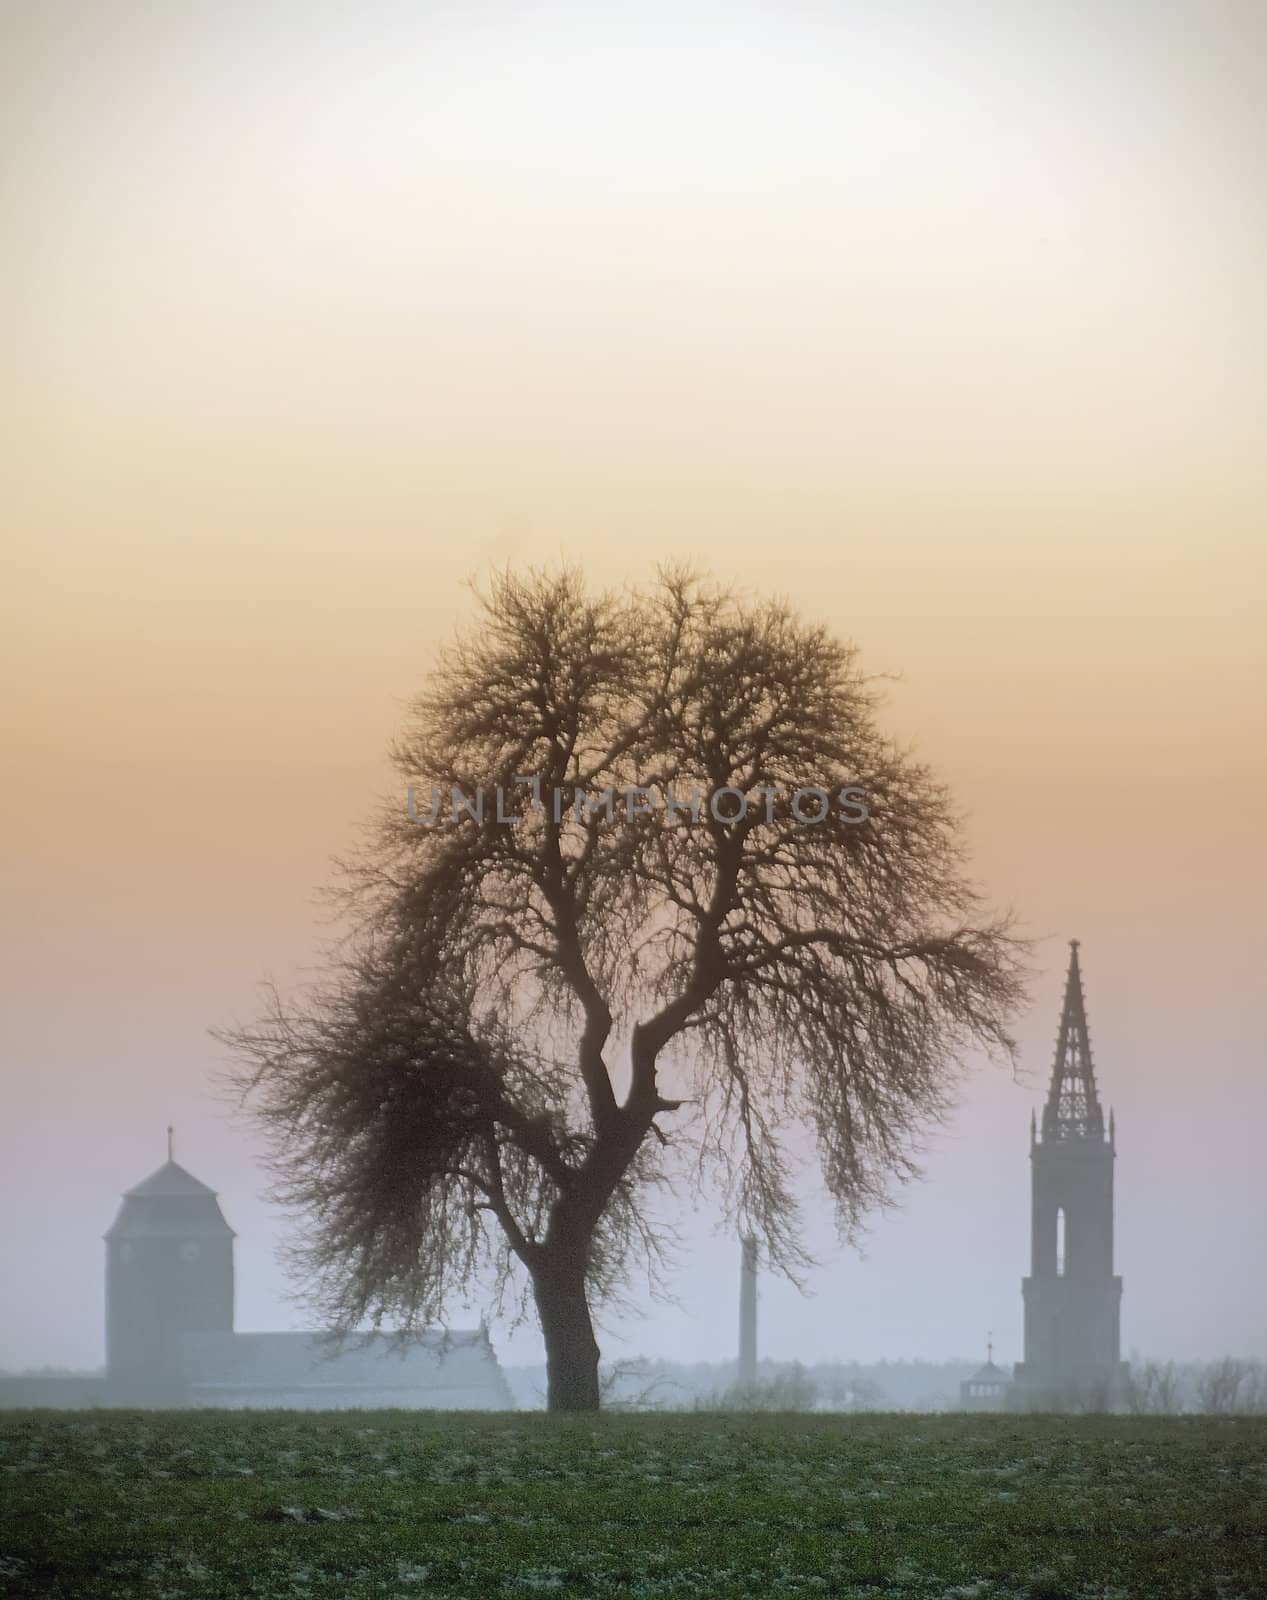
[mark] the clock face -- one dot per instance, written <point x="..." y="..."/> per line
<point x="189" y="1250"/>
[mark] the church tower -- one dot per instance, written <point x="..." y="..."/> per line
<point x="169" y="1270"/>
<point x="1072" y="1297"/>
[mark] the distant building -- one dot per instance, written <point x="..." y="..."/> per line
<point x="1072" y="1296"/>
<point x="170" y="1339"/>
<point x="988" y="1388"/>
<point x="169" y="1271"/>
<point x="441" y="1371"/>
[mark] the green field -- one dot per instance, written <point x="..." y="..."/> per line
<point x="420" y="1504"/>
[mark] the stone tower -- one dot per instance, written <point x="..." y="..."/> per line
<point x="169" y="1270"/>
<point x="1072" y="1296"/>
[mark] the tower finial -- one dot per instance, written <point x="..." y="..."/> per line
<point x="989" y="1348"/>
<point x="171" y="1138"/>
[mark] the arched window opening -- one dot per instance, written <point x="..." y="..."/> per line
<point x="1060" y="1242"/>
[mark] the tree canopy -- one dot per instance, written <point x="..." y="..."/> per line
<point x="662" y="894"/>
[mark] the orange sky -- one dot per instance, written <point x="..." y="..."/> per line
<point x="945" y="321"/>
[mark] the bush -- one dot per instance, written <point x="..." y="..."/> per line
<point x="793" y="1390"/>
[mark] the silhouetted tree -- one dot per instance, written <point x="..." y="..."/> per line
<point x="1226" y="1386"/>
<point x="1153" y="1387"/>
<point x="792" y="1389"/>
<point x="537" y="1020"/>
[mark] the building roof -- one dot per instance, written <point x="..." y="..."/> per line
<point x="442" y="1369"/>
<point x="171" y="1178"/>
<point x="990" y="1374"/>
<point x="170" y="1203"/>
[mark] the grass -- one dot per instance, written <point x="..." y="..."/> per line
<point x="422" y="1504"/>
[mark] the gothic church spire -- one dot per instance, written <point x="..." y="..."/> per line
<point x="1073" y="1105"/>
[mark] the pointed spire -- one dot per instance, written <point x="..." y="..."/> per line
<point x="171" y="1142"/>
<point x="1073" y="1104"/>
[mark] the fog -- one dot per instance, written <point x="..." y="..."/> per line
<point x="946" y="322"/>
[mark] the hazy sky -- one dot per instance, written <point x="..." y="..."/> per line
<point x="945" y="321"/>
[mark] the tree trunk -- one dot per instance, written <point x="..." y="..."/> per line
<point x="571" y="1348"/>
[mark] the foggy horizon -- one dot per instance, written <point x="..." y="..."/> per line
<point x="944" y="323"/>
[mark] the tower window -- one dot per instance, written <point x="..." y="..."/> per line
<point x="1060" y="1242"/>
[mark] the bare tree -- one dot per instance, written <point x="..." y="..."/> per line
<point x="855" y="1394"/>
<point x="639" y="1384"/>
<point x="1153" y="1387"/>
<point x="792" y="1389"/>
<point x="1225" y="1386"/>
<point x="562" y="992"/>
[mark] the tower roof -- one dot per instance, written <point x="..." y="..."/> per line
<point x="1073" y="1103"/>
<point x="169" y="1202"/>
<point x="171" y="1178"/>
